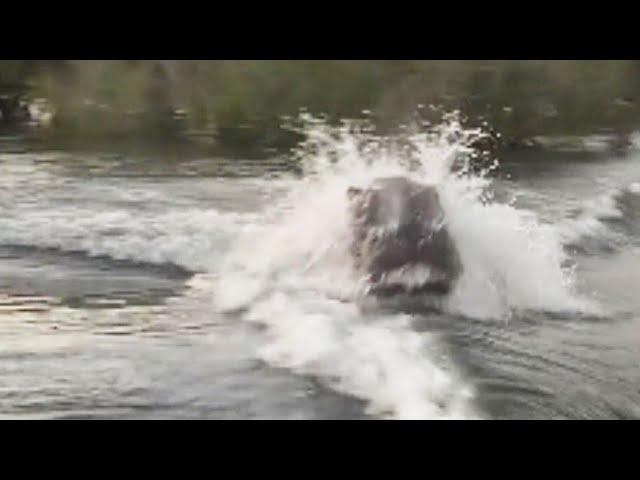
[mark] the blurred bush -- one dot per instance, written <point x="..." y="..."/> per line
<point x="241" y="103"/>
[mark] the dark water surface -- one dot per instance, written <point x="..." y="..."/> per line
<point x="106" y="310"/>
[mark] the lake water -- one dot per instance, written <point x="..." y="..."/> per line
<point x="135" y="287"/>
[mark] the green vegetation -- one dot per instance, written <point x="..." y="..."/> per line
<point x="240" y="104"/>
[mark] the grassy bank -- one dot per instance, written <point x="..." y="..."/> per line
<point x="239" y="104"/>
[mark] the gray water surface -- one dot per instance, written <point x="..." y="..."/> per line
<point x="98" y="318"/>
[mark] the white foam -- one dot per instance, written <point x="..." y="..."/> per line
<point x="101" y="217"/>
<point x="511" y="262"/>
<point x="293" y="272"/>
<point x="588" y="223"/>
<point x="380" y="360"/>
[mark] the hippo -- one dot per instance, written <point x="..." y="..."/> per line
<point x="400" y="242"/>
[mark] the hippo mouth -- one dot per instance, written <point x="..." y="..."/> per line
<point x="411" y="279"/>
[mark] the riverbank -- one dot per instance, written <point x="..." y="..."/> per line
<point x="237" y="107"/>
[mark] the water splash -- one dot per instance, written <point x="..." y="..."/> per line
<point x="294" y="274"/>
<point x="511" y="260"/>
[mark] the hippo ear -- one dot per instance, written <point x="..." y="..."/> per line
<point x="353" y="192"/>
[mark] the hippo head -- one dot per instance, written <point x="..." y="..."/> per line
<point x="400" y="241"/>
